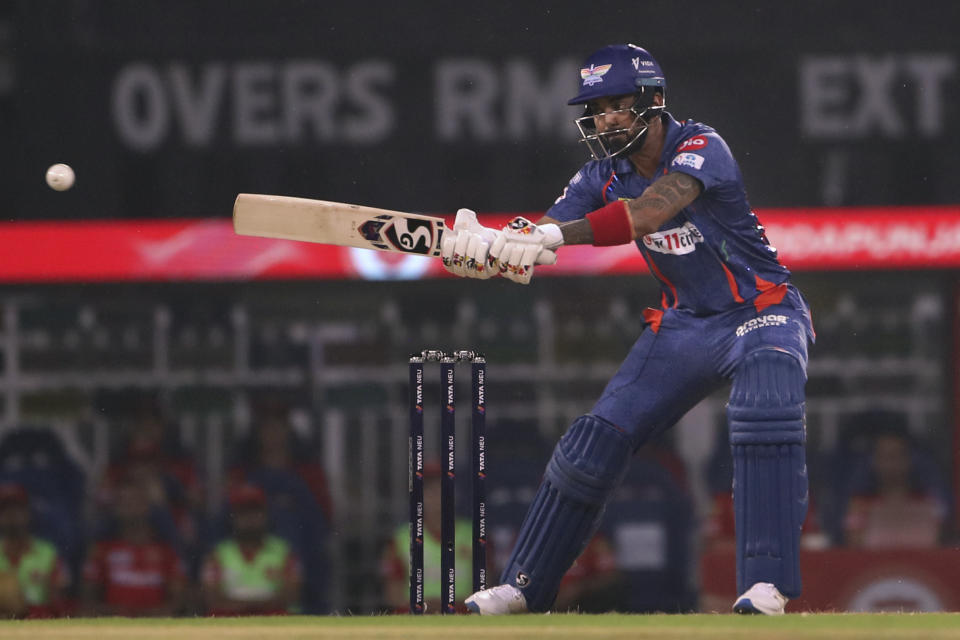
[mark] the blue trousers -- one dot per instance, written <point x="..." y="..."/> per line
<point x="676" y="365"/>
<point x="676" y="362"/>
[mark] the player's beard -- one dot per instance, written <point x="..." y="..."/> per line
<point x="613" y="143"/>
<point x="624" y="143"/>
<point x="620" y="139"/>
<point x="619" y="144"/>
<point x="634" y="142"/>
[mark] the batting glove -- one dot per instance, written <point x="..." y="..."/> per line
<point x="466" y="247"/>
<point x="523" y="244"/>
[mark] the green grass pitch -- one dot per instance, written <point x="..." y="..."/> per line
<point x="719" y="627"/>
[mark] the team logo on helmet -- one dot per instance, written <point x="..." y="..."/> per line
<point x="593" y="74"/>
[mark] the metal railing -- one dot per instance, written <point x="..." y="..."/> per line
<point x="355" y="435"/>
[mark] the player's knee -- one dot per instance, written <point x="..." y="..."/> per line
<point x="590" y="460"/>
<point x="767" y="400"/>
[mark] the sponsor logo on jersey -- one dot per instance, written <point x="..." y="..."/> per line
<point x="692" y="144"/>
<point x="770" y="320"/>
<point x="594" y="74"/>
<point x="692" y="160"/>
<point x="677" y="241"/>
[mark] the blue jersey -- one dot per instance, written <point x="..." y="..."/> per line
<point x="713" y="255"/>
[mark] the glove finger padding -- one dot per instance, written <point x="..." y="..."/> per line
<point x="525" y="263"/>
<point x="511" y="261"/>
<point x="469" y="265"/>
<point x="476" y="253"/>
<point x="459" y="258"/>
<point x="529" y="258"/>
<point x="506" y="259"/>
<point x="547" y="257"/>
<point x="465" y="220"/>
<point x="453" y="249"/>
<point x="497" y="247"/>
<point x="447" y="244"/>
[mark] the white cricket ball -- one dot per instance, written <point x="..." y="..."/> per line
<point x="60" y="177"/>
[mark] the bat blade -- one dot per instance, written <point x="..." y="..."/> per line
<point x="336" y="223"/>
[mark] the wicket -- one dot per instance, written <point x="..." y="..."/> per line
<point x="448" y="362"/>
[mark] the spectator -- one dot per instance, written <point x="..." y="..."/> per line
<point x="37" y="460"/>
<point x="33" y="564"/>
<point x="132" y="573"/>
<point x="153" y="459"/>
<point x="274" y="447"/>
<point x="891" y="507"/>
<point x="282" y="464"/>
<point x="151" y="429"/>
<point x="252" y="572"/>
<point x="395" y="560"/>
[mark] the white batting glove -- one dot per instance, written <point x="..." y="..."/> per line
<point x="465" y="248"/>
<point x="523" y="244"/>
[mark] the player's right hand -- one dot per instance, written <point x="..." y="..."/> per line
<point x="465" y="248"/>
<point x="522" y="245"/>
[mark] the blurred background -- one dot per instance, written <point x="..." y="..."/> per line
<point x="174" y="399"/>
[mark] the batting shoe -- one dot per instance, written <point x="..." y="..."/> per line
<point x="763" y="598"/>
<point x="497" y="601"/>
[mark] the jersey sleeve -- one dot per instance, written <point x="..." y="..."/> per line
<point x="707" y="158"/>
<point x="578" y="198"/>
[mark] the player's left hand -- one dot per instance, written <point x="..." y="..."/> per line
<point x="523" y="244"/>
<point x="465" y="248"/>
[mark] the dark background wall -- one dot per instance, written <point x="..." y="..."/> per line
<point x="170" y="109"/>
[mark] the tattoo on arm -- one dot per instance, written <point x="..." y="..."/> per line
<point x="577" y="232"/>
<point x="574" y="232"/>
<point x="661" y="201"/>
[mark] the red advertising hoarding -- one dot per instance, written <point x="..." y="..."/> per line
<point x="207" y="249"/>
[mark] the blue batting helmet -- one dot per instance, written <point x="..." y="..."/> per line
<point x="618" y="69"/>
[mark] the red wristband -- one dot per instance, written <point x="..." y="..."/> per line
<point x="611" y="225"/>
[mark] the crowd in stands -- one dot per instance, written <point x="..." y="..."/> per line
<point x="146" y="546"/>
<point x="142" y="543"/>
<point x="887" y="492"/>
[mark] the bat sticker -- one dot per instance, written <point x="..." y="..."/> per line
<point x="409" y="235"/>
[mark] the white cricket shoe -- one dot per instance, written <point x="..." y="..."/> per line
<point x="763" y="598"/>
<point x="497" y="601"/>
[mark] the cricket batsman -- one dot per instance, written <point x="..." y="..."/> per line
<point x="727" y="313"/>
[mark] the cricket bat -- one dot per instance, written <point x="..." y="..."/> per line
<point x="342" y="224"/>
<point x="338" y="223"/>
